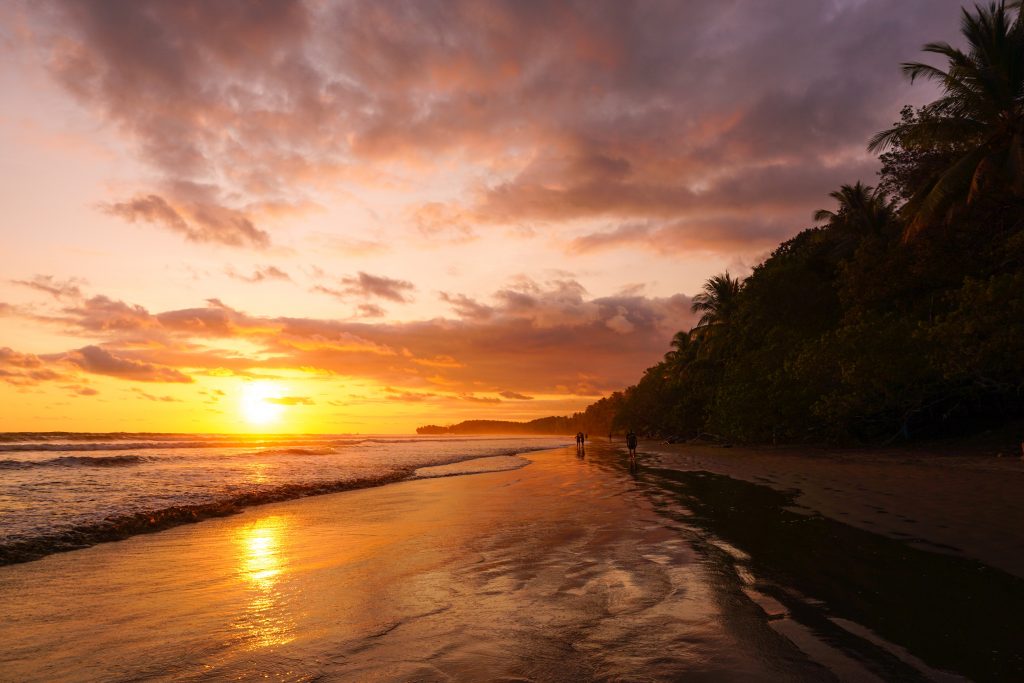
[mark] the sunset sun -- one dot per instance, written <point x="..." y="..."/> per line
<point x="257" y="403"/>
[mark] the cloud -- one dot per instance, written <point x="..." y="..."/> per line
<point x="151" y="397"/>
<point x="26" y="369"/>
<point x="408" y="396"/>
<point x="366" y="285"/>
<point x="546" y="337"/>
<point x="370" y="311"/>
<point x="676" y="116"/>
<point x="480" y="399"/>
<point x="620" y="321"/>
<point x="102" y="362"/>
<point x="12" y="358"/>
<point x="466" y="307"/>
<point x="291" y="400"/>
<point x="197" y="221"/>
<point x="66" y="289"/>
<point x="515" y="396"/>
<point x="103" y="314"/>
<point x="438" y="362"/>
<point x="260" y="274"/>
<point x="437" y="219"/>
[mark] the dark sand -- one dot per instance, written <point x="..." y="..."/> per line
<point x="567" y="569"/>
<point x="938" y="499"/>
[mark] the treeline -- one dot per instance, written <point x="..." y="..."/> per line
<point x="596" y="419"/>
<point x="902" y="313"/>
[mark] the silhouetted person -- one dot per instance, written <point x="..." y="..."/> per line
<point x="631" y="443"/>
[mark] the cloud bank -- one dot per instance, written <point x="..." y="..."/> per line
<point x="665" y="125"/>
<point x="546" y="338"/>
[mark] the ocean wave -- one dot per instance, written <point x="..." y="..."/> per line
<point x="106" y="436"/>
<point x="124" y="521"/>
<point x="130" y="446"/>
<point x="120" y="527"/>
<point x="148" y="445"/>
<point x="76" y="461"/>
<point x="326" y="450"/>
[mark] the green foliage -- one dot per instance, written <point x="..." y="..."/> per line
<point x="979" y="340"/>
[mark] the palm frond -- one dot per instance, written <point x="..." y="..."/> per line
<point x="952" y="183"/>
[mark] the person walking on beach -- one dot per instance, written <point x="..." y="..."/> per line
<point x="631" y="444"/>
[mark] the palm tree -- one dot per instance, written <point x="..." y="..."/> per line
<point x="981" y="113"/>
<point x="680" y="343"/>
<point x="862" y="209"/>
<point x="717" y="302"/>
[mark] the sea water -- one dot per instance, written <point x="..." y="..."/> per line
<point x="60" y="491"/>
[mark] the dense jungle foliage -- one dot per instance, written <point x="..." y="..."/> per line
<point x="901" y="314"/>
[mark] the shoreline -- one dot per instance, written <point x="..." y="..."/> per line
<point x="117" y="528"/>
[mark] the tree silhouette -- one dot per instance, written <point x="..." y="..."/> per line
<point x="717" y="302"/>
<point x="862" y="209"/>
<point x="981" y="112"/>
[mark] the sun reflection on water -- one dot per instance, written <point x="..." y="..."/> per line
<point x="258" y="473"/>
<point x="261" y="565"/>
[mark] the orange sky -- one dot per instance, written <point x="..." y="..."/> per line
<point x="368" y="216"/>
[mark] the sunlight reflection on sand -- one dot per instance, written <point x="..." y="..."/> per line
<point x="261" y="565"/>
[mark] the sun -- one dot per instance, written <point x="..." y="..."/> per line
<point x="257" y="404"/>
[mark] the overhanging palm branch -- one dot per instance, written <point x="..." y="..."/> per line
<point x="980" y="113"/>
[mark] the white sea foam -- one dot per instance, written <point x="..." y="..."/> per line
<point x="54" y="497"/>
<point x="494" y="463"/>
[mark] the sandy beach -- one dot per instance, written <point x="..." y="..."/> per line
<point x="569" y="568"/>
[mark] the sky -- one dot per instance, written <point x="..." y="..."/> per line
<point x="333" y="217"/>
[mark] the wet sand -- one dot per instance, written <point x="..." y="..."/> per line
<point x="937" y="499"/>
<point x="570" y="568"/>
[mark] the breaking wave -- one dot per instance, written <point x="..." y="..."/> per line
<point x="76" y="461"/>
<point x="119" y="527"/>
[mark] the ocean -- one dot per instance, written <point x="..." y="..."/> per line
<point x="61" y="491"/>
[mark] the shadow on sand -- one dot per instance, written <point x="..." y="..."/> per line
<point x="953" y="613"/>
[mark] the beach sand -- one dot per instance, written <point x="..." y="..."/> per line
<point x="570" y="568"/>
